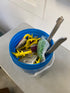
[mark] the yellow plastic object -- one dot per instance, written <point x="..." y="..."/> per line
<point x="29" y="36"/>
<point x="29" y="44"/>
<point x="21" y="53"/>
<point x="34" y="41"/>
<point x="37" y="61"/>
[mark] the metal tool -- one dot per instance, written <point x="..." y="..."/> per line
<point x="44" y="44"/>
<point x="56" y="45"/>
<point x="58" y="23"/>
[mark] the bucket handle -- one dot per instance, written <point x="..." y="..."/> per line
<point x="47" y="67"/>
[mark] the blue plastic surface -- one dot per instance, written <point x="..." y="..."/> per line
<point x="14" y="41"/>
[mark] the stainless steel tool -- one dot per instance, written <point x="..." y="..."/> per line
<point x="58" y="23"/>
<point x="44" y="44"/>
<point x="56" y="45"/>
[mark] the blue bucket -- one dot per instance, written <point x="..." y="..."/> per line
<point x="30" y="68"/>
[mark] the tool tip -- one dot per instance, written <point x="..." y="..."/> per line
<point x="60" y="19"/>
<point x="65" y="38"/>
